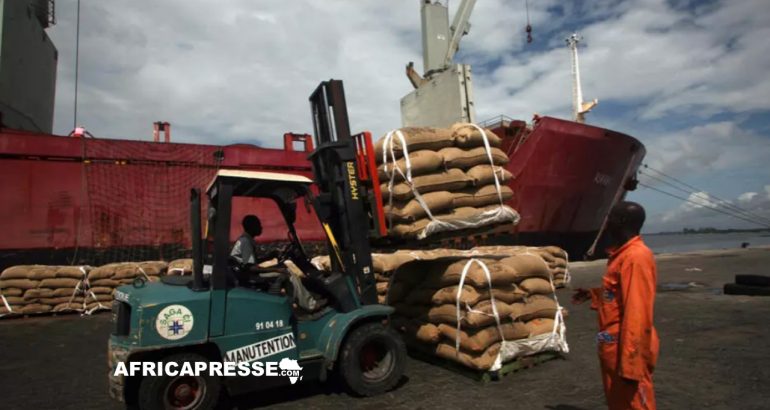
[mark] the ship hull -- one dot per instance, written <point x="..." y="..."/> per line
<point x="566" y="177"/>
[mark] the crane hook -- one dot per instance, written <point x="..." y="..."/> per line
<point x="529" y="26"/>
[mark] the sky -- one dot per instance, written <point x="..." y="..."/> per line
<point x="687" y="78"/>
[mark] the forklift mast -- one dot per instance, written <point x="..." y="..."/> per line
<point x="348" y="202"/>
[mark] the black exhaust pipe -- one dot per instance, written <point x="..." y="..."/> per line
<point x="195" y="231"/>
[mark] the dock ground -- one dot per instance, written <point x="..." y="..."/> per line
<point x="714" y="354"/>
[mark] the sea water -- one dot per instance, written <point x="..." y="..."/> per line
<point x="667" y="243"/>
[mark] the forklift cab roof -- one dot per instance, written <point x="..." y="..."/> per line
<point x="260" y="184"/>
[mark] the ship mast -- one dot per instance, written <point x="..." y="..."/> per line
<point x="579" y="108"/>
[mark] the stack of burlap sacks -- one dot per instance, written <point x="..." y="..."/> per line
<point x="443" y="179"/>
<point x="38" y="288"/>
<point x="29" y="289"/>
<point x="423" y="287"/>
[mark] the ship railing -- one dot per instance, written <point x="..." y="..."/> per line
<point x="499" y="120"/>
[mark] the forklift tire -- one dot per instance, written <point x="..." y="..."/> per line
<point x="372" y="359"/>
<point x="180" y="392"/>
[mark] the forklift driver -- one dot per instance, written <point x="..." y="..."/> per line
<point x="246" y="265"/>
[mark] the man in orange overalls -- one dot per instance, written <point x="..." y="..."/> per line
<point x="627" y="341"/>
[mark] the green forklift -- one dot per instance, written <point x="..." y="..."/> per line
<point x="218" y="315"/>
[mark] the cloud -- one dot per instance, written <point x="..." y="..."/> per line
<point x="715" y="146"/>
<point x="748" y="210"/>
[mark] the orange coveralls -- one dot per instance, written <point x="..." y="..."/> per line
<point x="627" y="341"/>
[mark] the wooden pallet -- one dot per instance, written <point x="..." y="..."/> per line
<point x="512" y="366"/>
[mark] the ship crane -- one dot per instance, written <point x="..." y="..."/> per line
<point x="579" y="108"/>
<point x="443" y="94"/>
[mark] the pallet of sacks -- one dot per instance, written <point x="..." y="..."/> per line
<point x="480" y="312"/>
<point x="32" y="289"/>
<point x="443" y="179"/>
<point x="385" y="264"/>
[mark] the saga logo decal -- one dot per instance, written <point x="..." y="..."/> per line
<point x="174" y="322"/>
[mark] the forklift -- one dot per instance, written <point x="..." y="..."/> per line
<point x="215" y="315"/>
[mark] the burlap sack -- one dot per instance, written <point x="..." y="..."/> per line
<point x="449" y="180"/>
<point x="63" y="307"/>
<point x="415" y="228"/>
<point x="42" y="272"/>
<point x="153" y="268"/>
<point x="388" y="262"/>
<point x="536" y="286"/>
<point x="478" y="340"/>
<point x="126" y="272"/>
<point x="100" y="305"/>
<point x="105" y="282"/>
<point x="18" y="283"/>
<point x="468" y="136"/>
<point x="448" y="295"/>
<point x="104" y="271"/>
<point x="102" y="290"/>
<point x="180" y="267"/>
<point x="420" y="162"/>
<point x="59" y="283"/>
<point x="17" y="300"/>
<point x="480" y="315"/>
<point x="444" y="275"/>
<point x="481" y="175"/>
<point x="11" y="292"/>
<point x="35" y="308"/>
<point x="412" y="210"/>
<point x="536" y="306"/>
<point x="486" y="195"/>
<point x="73" y="272"/>
<point x="16" y="272"/>
<point x="38" y="293"/>
<point x="62" y="292"/>
<point x="425" y="332"/>
<point x="98" y="297"/>
<point x="483" y="361"/>
<point x="527" y="266"/>
<point x="417" y="138"/>
<point x="468" y="158"/>
<point x="539" y="326"/>
<point x="62" y="299"/>
<point x="472" y="296"/>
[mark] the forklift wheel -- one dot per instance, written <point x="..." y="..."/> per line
<point x="372" y="360"/>
<point x="179" y="392"/>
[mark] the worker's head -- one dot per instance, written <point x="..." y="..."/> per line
<point x="625" y="221"/>
<point x="252" y="225"/>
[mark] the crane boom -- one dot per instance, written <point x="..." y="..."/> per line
<point x="460" y="27"/>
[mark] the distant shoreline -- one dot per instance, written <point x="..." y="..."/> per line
<point x="707" y="231"/>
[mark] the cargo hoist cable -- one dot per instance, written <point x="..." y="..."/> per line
<point x="77" y="67"/>
<point x="707" y="206"/>
<point x="700" y="194"/>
